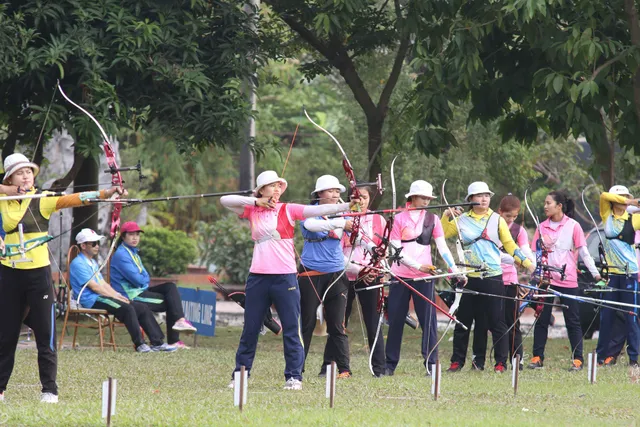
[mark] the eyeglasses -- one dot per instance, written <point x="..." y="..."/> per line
<point x="94" y="244"/>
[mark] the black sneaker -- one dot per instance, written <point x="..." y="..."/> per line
<point x="388" y="372"/>
<point x="633" y="363"/>
<point x="323" y="372"/>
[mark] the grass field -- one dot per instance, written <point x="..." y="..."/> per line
<point x="189" y="388"/>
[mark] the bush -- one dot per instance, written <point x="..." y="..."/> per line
<point x="165" y="251"/>
<point x="228" y="245"/>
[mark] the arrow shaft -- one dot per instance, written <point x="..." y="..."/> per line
<point x="389" y="211"/>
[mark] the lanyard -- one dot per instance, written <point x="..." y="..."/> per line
<point x="94" y="267"/>
<point x="136" y="259"/>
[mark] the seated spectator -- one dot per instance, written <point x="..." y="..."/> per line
<point x="88" y="283"/>
<point x="130" y="278"/>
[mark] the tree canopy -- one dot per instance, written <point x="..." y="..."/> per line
<point x="177" y="65"/>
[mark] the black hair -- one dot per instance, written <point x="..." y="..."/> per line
<point x="568" y="205"/>
<point x="370" y="189"/>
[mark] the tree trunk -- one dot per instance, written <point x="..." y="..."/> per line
<point x="604" y="154"/>
<point x="374" y="131"/>
<point x="634" y="31"/>
<point x="15" y="130"/>
<point x="86" y="180"/>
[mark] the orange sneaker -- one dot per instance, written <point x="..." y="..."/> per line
<point x="536" y="362"/>
<point x="345" y="374"/>
<point x="610" y="361"/>
<point x="576" y="365"/>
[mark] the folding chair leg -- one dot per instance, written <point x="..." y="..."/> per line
<point x="101" y="332"/>
<point x="75" y="330"/>
<point x="112" y="332"/>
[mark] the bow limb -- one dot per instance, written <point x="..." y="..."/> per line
<point x="64" y="95"/>
<point x="459" y="250"/>
<point x="350" y="174"/>
<point x="116" y="180"/>
<point x="604" y="269"/>
<point x="386" y="240"/>
<point x="116" y="177"/>
<point x="355" y="228"/>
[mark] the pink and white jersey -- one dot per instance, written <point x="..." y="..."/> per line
<point x="370" y="225"/>
<point x="562" y="239"/>
<point x="408" y="226"/>
<point x="509" y="271"/>
<point x="273" y="230"/>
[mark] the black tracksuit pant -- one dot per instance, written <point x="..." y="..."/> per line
<point x="514" y="336"/>
<point x="165" y="298"/>
<point x="312" y="288"/>
<point x="481" y="308"/>
<point x="134" y="315"/>
<point x="19" y="290"/>
<point x="370" y="316"/>
<point x="571" y="320"/>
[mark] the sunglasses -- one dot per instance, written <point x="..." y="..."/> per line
<point x="93" y="244"/>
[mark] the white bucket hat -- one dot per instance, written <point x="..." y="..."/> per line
<point x="266" y="178"/>
<point x="478" y="187"/>
<point x="420" y="188"/>
<point x="620" y="190"/>
<point x="327" y="182"/>
<point x="88" y="235"/>
<point x="18" y="161"/>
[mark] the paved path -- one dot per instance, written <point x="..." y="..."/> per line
<point x="228" y="313"/>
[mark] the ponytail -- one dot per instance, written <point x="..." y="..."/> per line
<point x="568" y="205"/>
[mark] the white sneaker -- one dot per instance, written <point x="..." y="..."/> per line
<point x="293" y="384"/>
<point x="49" y="398"/>
<point x="2" y="397"/>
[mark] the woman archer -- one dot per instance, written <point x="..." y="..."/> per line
<point x="482" y="233"/>
<point x="414" y="231"/>
<point x="564" y="240"/>
<point x="272" y="275"/>
<point x="26" y="283"/>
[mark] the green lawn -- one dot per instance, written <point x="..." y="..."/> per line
<point x="189" y="388"/>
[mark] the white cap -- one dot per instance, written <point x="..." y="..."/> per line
<point x="88" y="235"/>
<point x="478" y="187"/>
<point x="420" y="188"/>
<point x="18" y="161"/>
<point x="620" y="190"/>
<point x="266" y="178"/>
<point x="327" y="182"/>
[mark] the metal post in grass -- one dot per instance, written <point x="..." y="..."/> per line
<point x="436" y="375"/>
<point x="330" y="388"/>
<point x="592" y="367"/>
<point x="240" y="388"/>
<point x="109" y="399"/>
<point x="515" y="366"/>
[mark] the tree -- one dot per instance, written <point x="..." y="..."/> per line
<point x="562" y="67"/>
<point x="175" y="64"/>
<point x="342" y="33"/>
